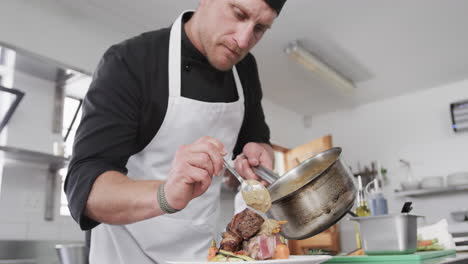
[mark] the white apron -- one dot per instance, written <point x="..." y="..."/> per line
<point x="185" y="235"/>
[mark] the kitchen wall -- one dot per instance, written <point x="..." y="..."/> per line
<point x="22" y="203"/>
<point x="31" y="125"/>
<point x="22" y="197"/>
<point x="415" y="127"/>
<point x="62" y="36"/>
<point x="287" y="127"/>
<point x="55" y="32"/>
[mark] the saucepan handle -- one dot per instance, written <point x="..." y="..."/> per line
<point x="266" y="174"/>
<point x="351" y="213"/>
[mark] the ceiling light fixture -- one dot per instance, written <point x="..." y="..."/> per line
<point x="295" y="51"/>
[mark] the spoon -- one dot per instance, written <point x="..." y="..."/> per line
<point x="254" y="193"/>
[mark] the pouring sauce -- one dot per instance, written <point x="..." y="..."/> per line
<point x="257" y="196"/>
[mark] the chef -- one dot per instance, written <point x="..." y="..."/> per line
<point x="163" y="111"/>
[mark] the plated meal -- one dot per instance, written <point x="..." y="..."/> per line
<point x="317" y="259"/>
<point x="250" y="237"/>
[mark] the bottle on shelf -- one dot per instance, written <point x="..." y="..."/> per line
<point x="378" y="203"/>
<point x="361" y="203"/>
<point x="361" y="208"/>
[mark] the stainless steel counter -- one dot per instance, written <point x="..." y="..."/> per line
<point x="29" y="252"/>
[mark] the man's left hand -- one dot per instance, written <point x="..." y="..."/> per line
<point x="254" y="154"/>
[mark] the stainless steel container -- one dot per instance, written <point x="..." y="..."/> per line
<point x="313" y="196"/>
<point x="388" y="234"/>
<point x="72" y="254"/>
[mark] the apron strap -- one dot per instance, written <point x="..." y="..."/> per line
<point x="240" y="90"/>
<point x="175" y="47"/>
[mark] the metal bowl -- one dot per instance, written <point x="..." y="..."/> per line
<point x="460" y="216"/>
<point x="313" y="196"/>
<point x="72" y="253"/>
<point x="388" y="234"/>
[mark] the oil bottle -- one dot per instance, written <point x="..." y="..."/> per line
<point x="361" y="208"/>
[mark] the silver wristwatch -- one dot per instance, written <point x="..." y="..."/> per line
<point x="163" y="204"/>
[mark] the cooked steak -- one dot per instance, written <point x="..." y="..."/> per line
<point x="261" y="247"/>
<point x="231" y="242"/>
<point x="245" y="224"/>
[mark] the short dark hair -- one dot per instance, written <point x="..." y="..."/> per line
<point x="277" y="5"/>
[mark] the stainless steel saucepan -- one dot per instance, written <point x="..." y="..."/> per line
<point x="311" y="197"/>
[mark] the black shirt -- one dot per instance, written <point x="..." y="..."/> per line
<point x="127" y="102"/>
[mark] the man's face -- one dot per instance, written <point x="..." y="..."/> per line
<point x="229" y="29"/>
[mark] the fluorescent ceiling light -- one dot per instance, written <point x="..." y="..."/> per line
<point x="312" y="63"/>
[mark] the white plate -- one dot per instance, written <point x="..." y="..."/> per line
<point x="292" y="259"/>
<point x="434" y="182"/>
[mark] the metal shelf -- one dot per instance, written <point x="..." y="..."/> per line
<point x="427" y="192"/>
<point x="460" y="239"/>
<point x="55" y="163"/>
<point x="23" y="155"/>
<point x="18" y="261"/>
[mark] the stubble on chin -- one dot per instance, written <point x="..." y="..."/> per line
<point x="221" y="64"/>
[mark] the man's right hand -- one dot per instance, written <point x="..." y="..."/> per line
<point x="192" y="170"/>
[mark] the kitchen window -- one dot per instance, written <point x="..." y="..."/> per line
<point x="76" y="86"/>
<point x="7" y="66"/>
<point x="71" y="119"/>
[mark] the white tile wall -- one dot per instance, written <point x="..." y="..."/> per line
<point x="22" y="203"/>
<point x="69" y="230"/>
<point x="42" y="230"/>
<point x="31" y="126"/>
<point x="13" y="231"/>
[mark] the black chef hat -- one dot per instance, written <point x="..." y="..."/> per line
<point x="276" y="4"/>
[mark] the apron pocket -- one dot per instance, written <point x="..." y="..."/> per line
<point x="169" y="238"/>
